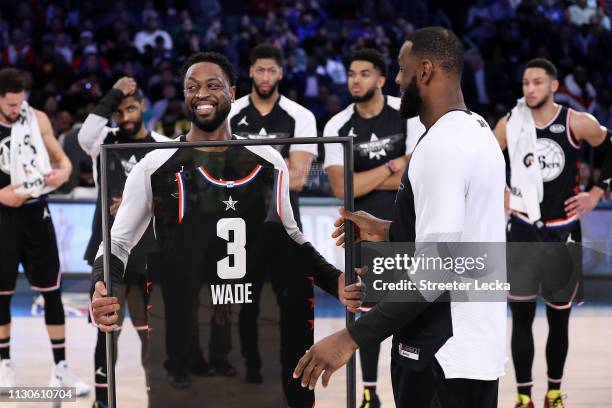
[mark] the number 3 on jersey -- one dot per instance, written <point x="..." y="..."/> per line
<point x="235" y="248"/>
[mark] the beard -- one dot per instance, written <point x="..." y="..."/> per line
<point x="265" y="95"/>
<point x="365" y="97"/>
<point x="137" y="125"/>
<point x="212" y="124"/>
<point x="9" y="119"/>
<point x="539" y="104"/>
<point x="411" y="103"/>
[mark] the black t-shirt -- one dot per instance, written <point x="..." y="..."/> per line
<point x="287" y="119"/>
<point x="376" y="141"/>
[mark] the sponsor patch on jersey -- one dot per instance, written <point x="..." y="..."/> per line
<point x="408" y="351"/>
<point x="557" y="128"/>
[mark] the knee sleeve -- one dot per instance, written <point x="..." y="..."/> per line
<point x="5" y="309"/>
<point x="54" y="309"/>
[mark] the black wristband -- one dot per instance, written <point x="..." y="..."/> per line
<point x="109" y="103"/>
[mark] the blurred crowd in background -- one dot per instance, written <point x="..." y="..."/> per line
<point x="74" y="50"/>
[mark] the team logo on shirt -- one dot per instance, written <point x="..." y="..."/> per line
<point x="243" y="121"/>
<point x="5" y="155"/>
<point x="551" y="158"/>
<point x="128" y="165"/>
<point x="230" y="204"/>
<point x="377" y="148"/>
<point x="351" y="132"/>
<point x="557" y="128"/>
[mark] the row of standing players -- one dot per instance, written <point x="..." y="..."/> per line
<point x="382" y="146"/>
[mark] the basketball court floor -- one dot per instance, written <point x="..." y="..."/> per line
<point x="587" y="381"/>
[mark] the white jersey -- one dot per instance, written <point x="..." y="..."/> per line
<point x="457" y="175"/>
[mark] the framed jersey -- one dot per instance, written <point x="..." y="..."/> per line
<point x="230" y="276"/>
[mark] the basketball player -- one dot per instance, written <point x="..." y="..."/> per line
<point x="231" y="204"/>
<point x="560" y="133"/>
<point x="382" y="144"/>
<point x="27" y="146"/>
<point x="444" y="354"/>
<point x="266" y="114"/>
<point x="125" y="103"/>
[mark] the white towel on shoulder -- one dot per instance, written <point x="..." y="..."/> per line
<point x="525" y="173"/>
<point x="29" y="157"/>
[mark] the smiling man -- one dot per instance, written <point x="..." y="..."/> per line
<point x="444" y="354"/>
<point x="222" y="217"/>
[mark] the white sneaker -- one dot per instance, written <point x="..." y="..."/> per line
<point x="7" y="374"/>
<point x="61" y="376"/>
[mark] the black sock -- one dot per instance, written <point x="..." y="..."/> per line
<point x="101" y="392"/>
<point x="554" y="385"/>
<point x="59" y="349"/>
<point x="5" y="348"/>
<point x="100" y="369"/>
<point x="525" y="390"/>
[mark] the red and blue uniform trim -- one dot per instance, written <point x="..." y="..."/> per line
<point x="229" y="184"/>
<point x="180" y="182"/>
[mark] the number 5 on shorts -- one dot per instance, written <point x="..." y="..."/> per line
<point x="235" y="248"/>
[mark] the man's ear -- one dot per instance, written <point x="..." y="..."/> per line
<point x="251" y="72"/>
<point x="425" y="72"/>
<point x="233" y="93"/>
<point x="380" y="82"/>
<point x="143" y="105"/>
<point x="554" y="85"/>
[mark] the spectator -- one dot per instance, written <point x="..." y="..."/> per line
<point x="159" y="107"/>
<point x="577" y="92"/>
<point x="481" y="84"/>
<point x="478" y="12"/>
<point x="146" y="38"/>
<point x="19" y="51"/>
<point x="62" y="122"/>
<point x="580" y="13"/>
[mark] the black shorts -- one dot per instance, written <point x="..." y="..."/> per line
<point x="428" y="388"/>
<point x="28" y="237"/>
<point x="552" y="268"/>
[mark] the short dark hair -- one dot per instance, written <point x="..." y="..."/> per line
<point x="11" y="80"/>
<point x="370" y="55"/>
<point x="138" y="95"/>
<point x="439" y="44"/>
<point x="545" y="64"/>
<point x="262" y="51"/>
<point x="213" y="58"/>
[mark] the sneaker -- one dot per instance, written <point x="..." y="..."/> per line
<point x="554" y="399"/>
<point x="7" y="374"/>
<point x="225" y="369"/>
<point x="523" y="401"/>
<point x="179" y="378"/>
<point x="61" y="376"/>
<point x="200" y="367"/>
<point x="370" y="400"/>
<point x="99" y="404"/>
